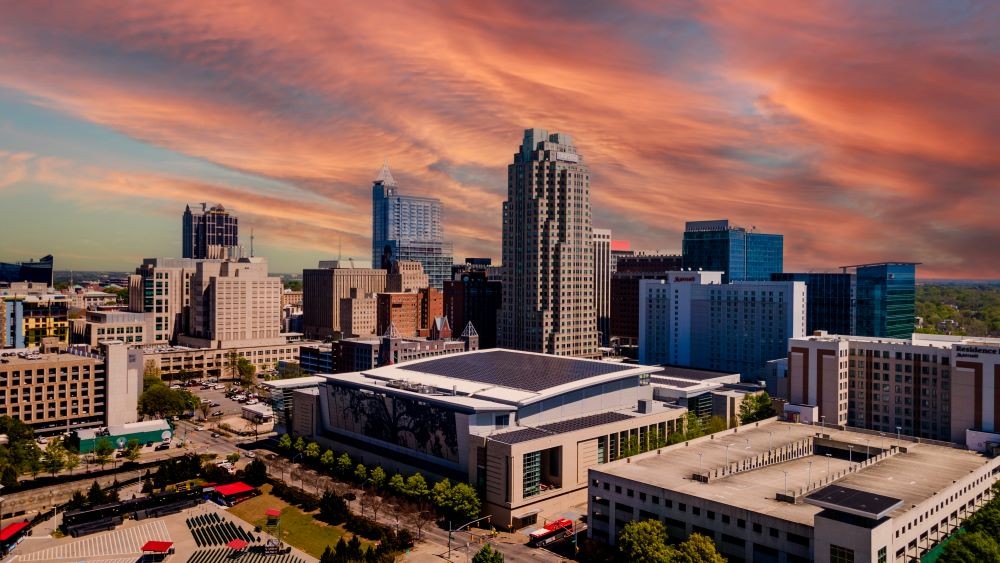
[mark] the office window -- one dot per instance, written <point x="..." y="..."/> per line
<point x="841" y="554"/>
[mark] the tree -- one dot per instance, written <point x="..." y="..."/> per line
<point x="488" y="555"/>
<point x="377" y="477"/>
<point x="285" y="442"/>
<point x="416" y="487"/>
<point x="54" y="458"/>
<point x="462" y="503"/>
<point x="300" y="444"/>
<point x="103" y="451"/>
<point x="644" y="541"/>
<point x="327" y="460"/>
<point x="255" y="473"/>
<point x="329" y="556"/>
<point x="715" y="424"/>
<point x="96" y="495"/>
<point x="698" y="549"/>
<point x="72" y="461"/>
<point x="344" y="465"/>
<point x="312" y="451"/>
<point x="973" y="546"/>
<point x="360" y="473"/>
<point x="372" y="502"/>
<point x="755" y="407"/>
<point x="397" y="484"/>
<point x="232" y="364"/>
<point x="233" y="457"/>
<point x="133" y="450"/>
<point x="439" y="494"/>
<point x="333" y="508"/>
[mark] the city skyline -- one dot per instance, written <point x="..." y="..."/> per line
<point x="803" y="123"/>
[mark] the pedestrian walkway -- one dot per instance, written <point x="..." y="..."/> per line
<point x="127" y="540"/>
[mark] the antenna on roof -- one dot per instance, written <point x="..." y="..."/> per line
<point x="251" y="243"/>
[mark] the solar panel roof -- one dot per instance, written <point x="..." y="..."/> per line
<point x="854" y="501"/>
<point x="531" y="372"/>
<point x="679" y="383"/>
<point x="561" y="427"/>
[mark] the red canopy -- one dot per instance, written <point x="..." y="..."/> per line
<point x="157" y="546"/>
<point x="237" y="544"/>
<point x="273" y="512"/>
<point x="233" y="489"/>
<point x="9" y="531"/>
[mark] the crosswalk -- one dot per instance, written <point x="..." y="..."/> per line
<point x="123" y="541"/>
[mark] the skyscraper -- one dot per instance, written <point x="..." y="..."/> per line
<point x="886" y="294"/>
<point x="32" y="271"/>
<point x="210" y="232"/>
<point x="548" y="261"/>
<point x="602" y="283"/>
<point x="830" y="303"/>
<point x="408" y="228"/>
<point x="739" y="254"/>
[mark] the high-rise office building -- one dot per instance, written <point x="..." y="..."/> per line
<point x="739" y="254"/>
<point x="323" y="289"/>
<point x="473" y="296"/>
<point x="39" y="271"/>
<point x="690" y="319"/>
<point x="408" y="228"/>
<point x="162" y="287"/>
<point x="548" y="266"/>
<point x="209" y="231"/>
<point x="829" y="300"/>
<point x="234" y="304"/>
<point x="630" y="269"/>
<point x="602" y="283"/>
<point x="886" y="294"/>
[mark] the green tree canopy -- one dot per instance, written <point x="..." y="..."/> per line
<point x="488" y="555"/>
<point x="755" y="407"/>
<point x="697" y="549"/>
<point x="644" y="541"/>
<point x="285" y="442"/>
<point x="973" y="546"/>
<point x="312" y="451"/>
<point x="416" y="487"/>
<point x="54" y="458"/>
<point x="103" y="451"/>
<point x="377" y="477"/>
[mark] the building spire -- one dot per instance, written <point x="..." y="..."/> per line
<point x="384" y="175"/>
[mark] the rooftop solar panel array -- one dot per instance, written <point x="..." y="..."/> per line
<point x="561" y="427"/>
<point x="679" y="383"/>
<point x="855" y="500"/>
<point x="530" y="372"/>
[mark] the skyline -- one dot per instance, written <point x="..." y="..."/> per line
<point x="863" y="133"/>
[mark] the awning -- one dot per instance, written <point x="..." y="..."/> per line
<point x="233" y="489"/>
<point x="273" y="512"/>
<point x="237" y="544"/>
<point x="12" y="529"/>
<point x="157" y="546"/>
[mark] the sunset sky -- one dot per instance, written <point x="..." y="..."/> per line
<point x="863" y="131"/>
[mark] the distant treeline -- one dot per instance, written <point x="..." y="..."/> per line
<point x="974" y="308"/>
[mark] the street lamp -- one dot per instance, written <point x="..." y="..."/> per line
<point x="748" y="443"/>
<point x="828" y="456"/>
<point x="822" y="421"/>
<point x="809" y="475"/>
<point x="850" y="453"/>
<point x="700" y="454"/>
<point x="727" y="456"/>
<point x="786" y="480"/>
<point x="770" y="441"/>
<point x="868" y="449"/>
<point x="882" y="434"/>
<point x="898" y="430"/>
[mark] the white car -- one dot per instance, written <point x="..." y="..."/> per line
<point x="250" y="455"/>
<point x="175" y="386"/>
<point x="252" y="401"/>
<point x="199" y="428"/>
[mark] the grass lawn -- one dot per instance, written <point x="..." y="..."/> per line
<point x="298" y="528"/>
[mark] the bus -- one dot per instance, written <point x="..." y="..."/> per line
<point x="551" y="532"/>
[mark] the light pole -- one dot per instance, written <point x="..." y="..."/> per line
<point x="770" y="441"/>
<point x="850" y="453"/>
<point x="700" y="466"/>
<point x="822" y="421"/>
<point x="809" y="475"/>
<point x="898" y="430"/>
<point x="727" y="456"/>
<point x="882" y="434"/>
<point x="748" y="443"/>
<point x="786" y="480"/>
<point x="868" y="449"/>
<point x="828" y="456"/>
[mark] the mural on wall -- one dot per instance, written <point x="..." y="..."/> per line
<point x="409" y="423"/>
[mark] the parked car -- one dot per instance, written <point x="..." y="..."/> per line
<point x="199" y="428"/>
<point x="214" y="403"/>
<point x="215" y="434"/>
<point x="217" y="413"/>
<point x="175" y="386"/>
<point x="250" y="455"/>
<point x="252" y="401"/>
<point x="162" y="446"/>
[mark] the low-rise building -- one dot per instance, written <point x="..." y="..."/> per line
<point x="523" y="426"/>
<point x="54" y="393"/>
<point x="213" y="362"/>
<point x="797" y="493"/>
<point x="28" y="317"/>
<point x="130" y="328"/>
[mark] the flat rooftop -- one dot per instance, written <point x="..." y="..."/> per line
<point x="693" y="374"/>
<point x="22" y="358"/>
<point x="910" y="477"/>
<point x="518" y="370"/>
<point x="490" y="379"/>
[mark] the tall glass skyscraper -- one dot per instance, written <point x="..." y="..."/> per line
<point x="715" y="246"/>
<point x="886" y="295"/>
<point x="830" y="300"/>
<point x="408" y="228"/>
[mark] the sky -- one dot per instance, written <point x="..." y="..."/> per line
<point x="862" y="131"/>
